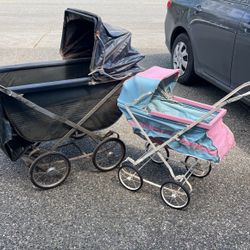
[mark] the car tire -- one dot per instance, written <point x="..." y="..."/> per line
<point x="183" y="59"/>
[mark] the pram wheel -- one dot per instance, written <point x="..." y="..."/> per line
<point x="49" y="170"/>
<point x="109" y="154"/>
<point x="130" y="178"/>
<point x="175" y="195"/>
<point x="201" y="168"/>
<point x="155" y="158"/>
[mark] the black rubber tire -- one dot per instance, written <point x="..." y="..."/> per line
<point x="184" y="189"/>
<point x="193" y="174"/>
<point x="98" y="150"/>
<point x="35" y="167"/>
<point x="189" y="76"/>
<point x="122" y="182"/>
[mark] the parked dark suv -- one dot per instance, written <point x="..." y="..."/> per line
<point x="210" y="38"/>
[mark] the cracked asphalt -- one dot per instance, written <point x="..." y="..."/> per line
<point x="91" y="210"/>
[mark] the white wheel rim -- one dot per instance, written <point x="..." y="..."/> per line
<point x="174" y="195"/>
<point x="180" y="57"/>
<point x="129" y="178"/>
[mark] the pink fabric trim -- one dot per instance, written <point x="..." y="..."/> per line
<point x="203" y="125"/>
<point x="222" y="138"/>
<point x="133" y="124"/>
<point x="193" y="103"/>
<point x="199" y="147"/>
<point x="221" y="113"/>
<point x="182" y="141"/>
<point x="158" y="73"/>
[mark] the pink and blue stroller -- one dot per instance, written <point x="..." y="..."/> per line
<point x="193" y="129"/>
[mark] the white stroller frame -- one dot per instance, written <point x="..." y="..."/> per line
<point x="175" y="188"/>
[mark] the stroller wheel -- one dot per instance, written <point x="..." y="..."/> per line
<point x="49" y="170"/>
<point x="175" y="195"/>
<point x="201" y="168"/>
<point x="155" y="158"/>
<point x="109" y="154"/>
<point x="130" y="178"/>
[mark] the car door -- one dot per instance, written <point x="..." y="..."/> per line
<point x="241" y="59"/>
<point x="213" y="33"/>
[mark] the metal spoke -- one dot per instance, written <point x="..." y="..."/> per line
<point x="130" y="178"/>
<point x="176" y="195"/>
<point x="180" y="57"/>
<point x="184" y="64"/>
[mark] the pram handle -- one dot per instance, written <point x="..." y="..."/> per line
<point x="229" y="99"/>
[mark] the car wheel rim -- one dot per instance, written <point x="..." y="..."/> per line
<point x="180" y="57"/>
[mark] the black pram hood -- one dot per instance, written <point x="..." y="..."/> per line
<point x="85" y="35"/>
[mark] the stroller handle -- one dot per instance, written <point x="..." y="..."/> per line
<point x="229" y="99"/>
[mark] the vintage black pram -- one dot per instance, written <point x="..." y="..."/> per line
<point x="64" y="100"/>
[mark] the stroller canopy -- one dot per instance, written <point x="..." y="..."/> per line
<point x="85" y="35"/>
<point x="139" y="90"/>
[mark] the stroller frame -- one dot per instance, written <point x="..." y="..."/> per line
<point x="176" y="192"/>
<point x="40" y="160"/>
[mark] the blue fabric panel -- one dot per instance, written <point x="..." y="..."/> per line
<point x="136" y="87"/>
<point x="179" y="109"/>
<point x="163" y="129"/>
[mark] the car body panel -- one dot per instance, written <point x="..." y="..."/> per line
<point x="241" y="62"/>
<point x="213" y="30"/>
<point x="220" y="36"/>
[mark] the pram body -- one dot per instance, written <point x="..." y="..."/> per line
<point x="161" y="117"/>
<point x="165" y="121"/>
<point x="46" y="101"/>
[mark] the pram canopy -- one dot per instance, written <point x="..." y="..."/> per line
<point x="85" y="35"/>
<point x="147" y="96"/>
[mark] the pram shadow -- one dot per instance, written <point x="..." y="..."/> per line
<point x="152" y="171"/>
<point x="14" y="172"/>
<point x="159" y="174"/>
<point x="18" y="172"/>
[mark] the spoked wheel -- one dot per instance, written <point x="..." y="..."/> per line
<point x="49" y="170"/>
<point x="155" y="158"/>
<point x="201" y="168"/>
<point x="130" y="178"/>
<point x="109" y="154"/>
<point x="175" y="195"/>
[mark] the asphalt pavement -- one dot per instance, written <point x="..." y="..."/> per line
<point x="91" y="210"/>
